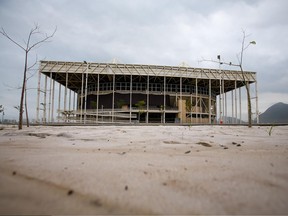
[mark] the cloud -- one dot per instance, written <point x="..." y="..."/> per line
<point x="164" y="32"/>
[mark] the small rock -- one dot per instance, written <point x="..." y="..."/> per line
<point x="126" y="187"/>
<point x="234" y="143"/>
<point x="14" y="173"/>
<point x="204" y="144"/>
<point x="187" y="152"/>
<point x="238" y="145"/>
<point x="70" y="192"/>
<point x="225" y="147"/>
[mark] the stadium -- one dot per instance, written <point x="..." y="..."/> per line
<point x="91" y="93"/>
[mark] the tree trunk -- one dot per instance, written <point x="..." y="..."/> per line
<point x="248" y="99"/>
<point x="249" y="105"/>
<point x="22" y="94"/>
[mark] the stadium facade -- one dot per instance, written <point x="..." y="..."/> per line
<point x="81" y="92"/>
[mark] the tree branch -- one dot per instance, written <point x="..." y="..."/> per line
<point x="3" y="32"/>
<point x="47" y="37"/>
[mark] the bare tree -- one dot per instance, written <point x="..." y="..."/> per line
<point x="240" y="57"/>
<point x="29" y="75"/>
<point x="27" y="47"/>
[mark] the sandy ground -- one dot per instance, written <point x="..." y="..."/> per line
<point x="144" y="170"/>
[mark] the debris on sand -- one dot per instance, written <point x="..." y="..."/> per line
<point x="63" y="134"/>
<point x="96" y="203"/>
<point x="40" y="135"/>
<point x="70" y="192"/>
<point x="204" y="144"/>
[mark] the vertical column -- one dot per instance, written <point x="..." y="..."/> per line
<point x="240" y="106"/>
<point x="98" y="90"/>
<point x="224" y="101"/>
<point x="248" y="92"/>
<point x="164" y="106"/>
<point x="236" y="114"/>
<point x="74" y="104"/>
<point x="45" y="101"/>
<point x="130" y="111"/>
<point x="38" y="97"/>
<point x="209" y="102"/>
<point x="196" y="105"/>
<point x="65" y="92"/>
<point x="85" y="100"/>
<point x="65" y="96"/>
<point x="49" y="103"/>
<point x="181" y="101"/>
<point x="147" y="108"/>
<point x="59" y="102"/>
<point x="69" y="103"/>
<point x="81" y="97"/>
<point x="232" y="100"/>
<point x="225" y="105"/>
<point x="113" y="98"/>
<point x="52" y="106"/>
<point x="191" y="107"/>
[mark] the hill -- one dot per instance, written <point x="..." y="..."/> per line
<point x="277" y="113"/>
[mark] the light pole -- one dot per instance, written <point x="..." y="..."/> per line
<point x="220" y="90"/>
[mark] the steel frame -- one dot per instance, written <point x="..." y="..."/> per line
<point x="76" y="76"/>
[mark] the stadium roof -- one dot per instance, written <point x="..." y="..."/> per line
<point x="57" y="70"/>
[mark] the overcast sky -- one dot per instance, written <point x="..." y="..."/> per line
<point x="161" y="32"/>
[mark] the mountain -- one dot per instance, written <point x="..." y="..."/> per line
<point x="277" y="113"/>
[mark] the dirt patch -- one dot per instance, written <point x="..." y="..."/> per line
<point x="171" y="142"/>
<point x="40" y="135"/>
<point x="66" y="135"/>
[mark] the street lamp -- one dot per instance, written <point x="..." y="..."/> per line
<point x="220" y="90"/>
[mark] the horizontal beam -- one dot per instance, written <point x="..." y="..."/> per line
<point x="144" y="70"/>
